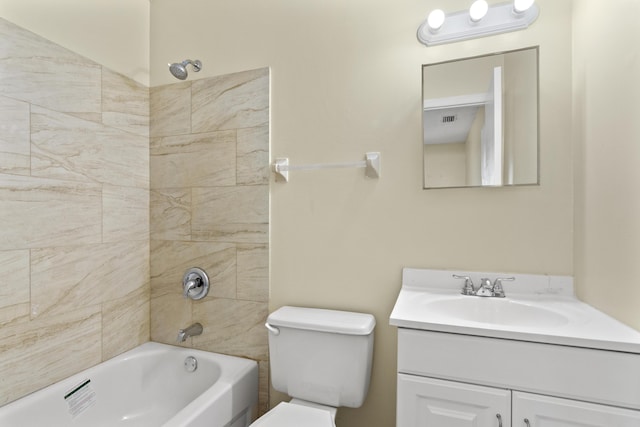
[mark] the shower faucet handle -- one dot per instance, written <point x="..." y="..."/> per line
<point x="195" y="283"/>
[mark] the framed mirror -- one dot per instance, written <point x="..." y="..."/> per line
<point x="480" y="121"/>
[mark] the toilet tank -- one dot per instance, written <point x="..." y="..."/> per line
<point x="322" y="356"/>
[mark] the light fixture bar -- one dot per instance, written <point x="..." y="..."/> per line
<point x="500" y="18"/>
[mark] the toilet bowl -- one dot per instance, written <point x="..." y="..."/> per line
<point x="295" y="414"/>
<point x="322" y="359"/>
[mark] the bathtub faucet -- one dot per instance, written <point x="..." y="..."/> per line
<point x="191" y="331"/>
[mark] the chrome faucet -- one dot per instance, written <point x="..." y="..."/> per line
<point x="191" y="331"/>
<point x="486" y="289"/>
<point x="497" y="286"/>
<point x="467" y="289"/>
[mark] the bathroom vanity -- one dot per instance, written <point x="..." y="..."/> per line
<point x="537" y="357"/>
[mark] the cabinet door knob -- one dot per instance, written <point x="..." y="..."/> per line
<point x="526" y="421"/>
<point x="499" y="417"/>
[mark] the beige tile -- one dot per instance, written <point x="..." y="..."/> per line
<point x="240" y="233"/>
<point x="63" y="278"/>
<point x="15" y="313"/>
<point x="170" y="213"/>
<point x="65" y="147"/>
<point x="38" y="71"/>
<point x="232" y="101"/>
<point x="14" y="136"/>
<point x="253" y="272"/>
<point x="263" y="388"/>
<point x="125" y="103"/>
<point x="206" y="159"/>
<point x="125" y="213"/>
<point x="39" y="353"/>
<point x="231" y="214"/>
<point x="232" y="327"/>
<point x="253" y="156"/>
<point x="41" y="212"/>
<point x="125" y="322"/>
<point x="170" y="109"/>
<point x="14" y="285"/>
<point x="170" y="260"/>
<point x="169" y="313"/>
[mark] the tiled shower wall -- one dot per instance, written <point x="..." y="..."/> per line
<point x="74" y="209"/>
<point x="75" y="221"/>
<point x="210" y="209"/>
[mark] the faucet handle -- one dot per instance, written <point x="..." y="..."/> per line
<point x="498" y="291"/>
<point x="467" y="289"/>
<point x="193" y="281"/>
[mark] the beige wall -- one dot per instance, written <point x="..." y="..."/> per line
<point x="114" y="33"/>
<point x="445" y="165"/>
<point x="346" y="79"/>
<point x="607" y="138"/>
<point x="474" y="150"/>
<point x="74" y="234"/>
<point x="210" y="209"/>
<point x="520" y="104"/>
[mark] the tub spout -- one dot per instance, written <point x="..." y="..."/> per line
<point x="191" y="331"/>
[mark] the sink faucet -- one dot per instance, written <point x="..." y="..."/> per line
<point x="191" y="331"/>
<point x="467" y="289"/>
<point x="497" y="286"/>
<point x="486" y="288"/>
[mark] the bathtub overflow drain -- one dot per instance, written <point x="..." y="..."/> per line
<point x="190" y="364"/>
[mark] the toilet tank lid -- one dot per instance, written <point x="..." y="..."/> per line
<point x="323" y="320"/>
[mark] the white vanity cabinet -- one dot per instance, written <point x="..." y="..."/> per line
<point x="452" y="380"/>
<point x="429" y="402"/>
<point x="545" y="411"/>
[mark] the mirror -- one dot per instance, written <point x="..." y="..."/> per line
<point x="480" y="121"/>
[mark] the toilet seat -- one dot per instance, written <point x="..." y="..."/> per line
<point x="292" y="415"/>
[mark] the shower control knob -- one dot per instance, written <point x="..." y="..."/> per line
<point x="195" y="284"/>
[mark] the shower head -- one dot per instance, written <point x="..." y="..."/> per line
<point x="179" y="69"/>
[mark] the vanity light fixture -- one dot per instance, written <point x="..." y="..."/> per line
<point x="478" y="10"/>
<point x="435" y="20"/>
<point x="479" y="21"/>
<point x="521" y="6"/>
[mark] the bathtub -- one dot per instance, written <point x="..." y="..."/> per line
<point x="152" y="385"/>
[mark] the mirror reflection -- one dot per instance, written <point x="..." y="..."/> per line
<point x="480" y="121"/>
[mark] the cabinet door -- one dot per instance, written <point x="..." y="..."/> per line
<point x="545" y="411"/>
<point x="427" y="402"/>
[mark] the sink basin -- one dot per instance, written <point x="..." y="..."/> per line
<point x="496" y="311"/>
<point x="537" y="308"/>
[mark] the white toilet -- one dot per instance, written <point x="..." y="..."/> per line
<point x="322" y="359"/>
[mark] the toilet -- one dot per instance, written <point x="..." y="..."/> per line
<point x="322" y="359"/>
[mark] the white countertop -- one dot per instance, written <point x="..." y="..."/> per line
<point x="550" y="312"/>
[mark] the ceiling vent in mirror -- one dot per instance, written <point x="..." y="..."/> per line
<point x="448" y="119"/>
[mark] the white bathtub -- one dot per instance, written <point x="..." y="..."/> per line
<point x="149" y="386"/>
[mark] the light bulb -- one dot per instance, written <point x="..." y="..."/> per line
<point x="478" y="10"/>
<point x="435" y="20"/>
<point x="520" y="6"/>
